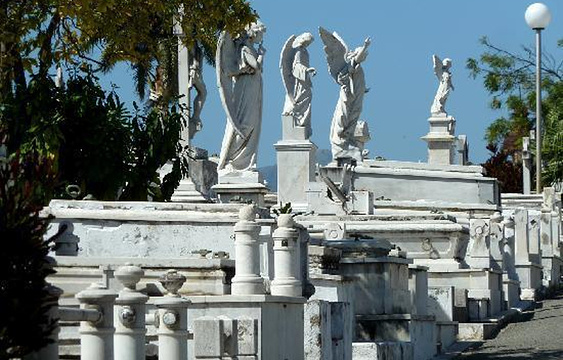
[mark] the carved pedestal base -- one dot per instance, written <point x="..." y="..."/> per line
<point x="296" y="168"/>
<point x="241" y="187"/>
<point x="441" y="139"/>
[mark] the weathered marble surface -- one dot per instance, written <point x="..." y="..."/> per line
<point x="239" y="78"/>
<point x="345" y="66"/>
<point x="442" y="72"/>
<point x="296" y="74"/>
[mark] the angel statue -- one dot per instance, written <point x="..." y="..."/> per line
<point x="442" y="71"/>
<point x="239" y="78"/>
<point x="345" y="67"/>
<point x="296" y="75"/>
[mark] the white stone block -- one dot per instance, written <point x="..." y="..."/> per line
<point x="247" y="336"/>
<point x="208" y="337"/>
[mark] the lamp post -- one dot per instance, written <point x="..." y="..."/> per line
<point x="538" y="17"/>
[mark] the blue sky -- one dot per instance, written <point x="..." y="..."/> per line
<point x="405" y="34"/>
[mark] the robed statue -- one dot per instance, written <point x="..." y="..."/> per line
<point x="196" y="82"/>
<point x="442" y="71"/>
<point x="345" y="66"/>
<point x="239" y="78"/>
<point x="296" y="74"/>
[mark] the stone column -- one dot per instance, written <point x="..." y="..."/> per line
<point x="441" y="139"/>
<point x="247" y="279"/>
<point x="286" y="262"/>
<point x="130" y="327"/>
<point x="526" y="165"/>
<point x="96" y="335"/>
<point x="172" y="319"/>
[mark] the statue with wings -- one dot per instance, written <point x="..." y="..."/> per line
<point x="296" y="74"/>
<point x="239" y="78"/>
<point x="345" y="66"/>
<point x="442" y="71"/>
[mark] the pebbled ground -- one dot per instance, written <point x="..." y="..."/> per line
<point x="537" y="335"/>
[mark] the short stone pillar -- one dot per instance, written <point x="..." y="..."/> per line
<point x="496" y="235"/>
<point x="441" y="139"/>
<point x="546" y="232"/>
<point x="172" y="319"/>
<point x="526" y="165"/>
<point x="96" y="336"/>
<point x="534" y="236"/>
<point x="521" y="248"/>
<point x="286" y="259"/>
<point x="129" y="312"/>
<point x="462" y="147"/>
<point x="247" y="279"/>
<point x="479" y="245"/>
<point x="508" y="248"/>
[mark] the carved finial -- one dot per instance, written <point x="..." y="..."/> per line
<point x="172" y="281"/>
<point x="247" y="213"/>
<point x="285" y="220"/>
<point x="129" y="275"/>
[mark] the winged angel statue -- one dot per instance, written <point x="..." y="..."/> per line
<point x="296" y="75"/>
<point x="442" y="71"/>
<point x="239" y="78"/>
<point x="345" y="67"/>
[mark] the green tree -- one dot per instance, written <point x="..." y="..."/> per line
<point x="23" y="260"/>
<point x="36" y="34"/>
<point x="510" y="79"/>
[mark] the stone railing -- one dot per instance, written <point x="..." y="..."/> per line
<point x="113" y="325"/>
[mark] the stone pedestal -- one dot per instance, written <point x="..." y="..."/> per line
<point x="441" y="139"/>
<point x="196" y="187"/>
<point x="296" y="168"/>
<point x="257" y="327"/>
<point x="241" y="187"/>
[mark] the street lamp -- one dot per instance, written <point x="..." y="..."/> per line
<point x="538" y="17"/>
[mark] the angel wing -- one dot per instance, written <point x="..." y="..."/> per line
<point x="226" y="60"/>
<point x="335" y="49"/>
<point x="438" y="69"/>
<point x="286" y="66"/>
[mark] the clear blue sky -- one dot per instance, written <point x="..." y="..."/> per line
<point x="405" y="34"/>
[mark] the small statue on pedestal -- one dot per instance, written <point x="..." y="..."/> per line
<point x="442" y="71"/>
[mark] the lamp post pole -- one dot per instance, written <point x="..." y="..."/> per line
<point x="538" y="17"/>
<point x="538" y="112"/>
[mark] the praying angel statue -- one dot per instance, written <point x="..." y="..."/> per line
<point x="442" y="71"/>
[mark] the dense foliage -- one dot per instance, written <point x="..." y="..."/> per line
<point x="24" y="325"/>
<point x="78" y="136"/>
<point x="35" y="34"/>
<point x="510" y="79"/>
